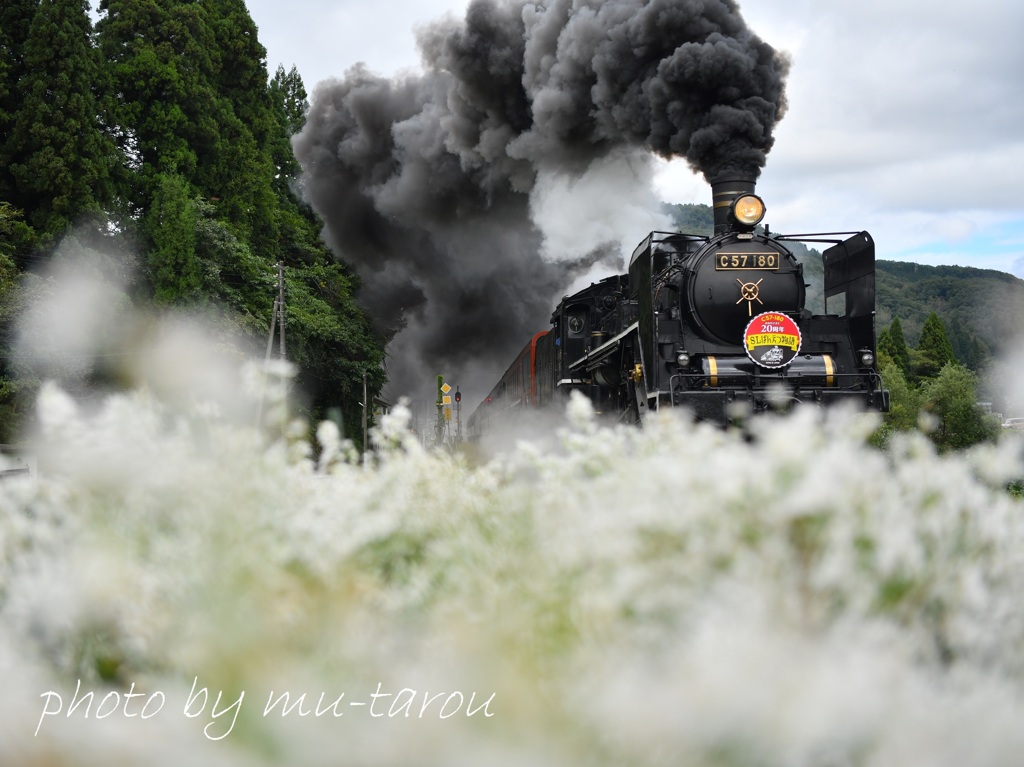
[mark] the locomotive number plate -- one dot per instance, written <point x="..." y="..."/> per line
<point x="726" y="261"/>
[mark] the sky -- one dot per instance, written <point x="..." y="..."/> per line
<point x="905" y="119"/>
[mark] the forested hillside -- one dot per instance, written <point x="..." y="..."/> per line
<point x="982" y="309"/>
<point x="156" y="137"/>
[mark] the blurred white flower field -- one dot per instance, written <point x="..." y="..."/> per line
<point x="673" y="596"/>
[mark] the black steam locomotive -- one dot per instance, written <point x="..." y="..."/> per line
<point x="708" y="324"/>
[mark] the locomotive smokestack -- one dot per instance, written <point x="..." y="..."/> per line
<point x="724" y="189"/>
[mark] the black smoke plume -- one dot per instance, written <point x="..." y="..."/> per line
<point x="434" y="185"/>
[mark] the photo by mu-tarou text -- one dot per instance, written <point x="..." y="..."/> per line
<point x="717" y="325"/>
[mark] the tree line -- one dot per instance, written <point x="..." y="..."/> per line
<point x="155" y="135"/>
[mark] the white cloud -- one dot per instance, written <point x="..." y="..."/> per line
<point x="324" y="38"/>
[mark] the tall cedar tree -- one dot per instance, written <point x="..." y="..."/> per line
<point x="288" y="95"/>
<point x="192" y="87"/>
<point x="967" y="348"/>
<point x="172" y="221"/>
<point x="934" y="350"/>
<point x="15" y="22"/>
<point x="61" y="162"/>
<point x="248" y="125"/>
<point x="289" y="91"/>
<point x="894" y="344"/>
<point x="158" y="57"/>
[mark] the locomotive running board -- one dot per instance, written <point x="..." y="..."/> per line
<point x="595" y="357"/>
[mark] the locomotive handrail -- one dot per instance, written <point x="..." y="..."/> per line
<point x="597" y="355"/>
<point x="814" y="236"/>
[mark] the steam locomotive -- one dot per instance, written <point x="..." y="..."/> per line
<point x="717" y="325"/>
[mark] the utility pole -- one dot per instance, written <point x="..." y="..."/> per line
<point x="266" y="361"/>
<point x="276" y="321"/>
<point x="273" y="325"/>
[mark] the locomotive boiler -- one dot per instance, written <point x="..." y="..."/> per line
<point x="716" y="324"/>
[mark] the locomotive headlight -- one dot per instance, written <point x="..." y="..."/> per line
<point x="867" y="359"/>
<point x="748" y="209"/>
<point x="683" y="359"/>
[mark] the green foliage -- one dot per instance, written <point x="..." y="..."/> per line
<point x="904" y="400"/>
<point x="232" y="274"/>
<point x="332" y="341"/>
<point x="193" y="99"/>
<point x="934" y="350"/>
<point x="157" y="53"/>
<point x="951" y="398"/>
<point x="288" y="91"/>
<point x="946" y="403"/>
<point x="17" y="239"/>
<point x="288" y="97"/>
<point x="15" y="20"/>
<point x="61" y="163"/>
<point x="692" y="219"/>
<point x="328" y="336"/>
<point x="171" y="221"/>
<point x="13" y="390"/>
<point x="892" y="344"/>
<point x="967" y="347"/>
